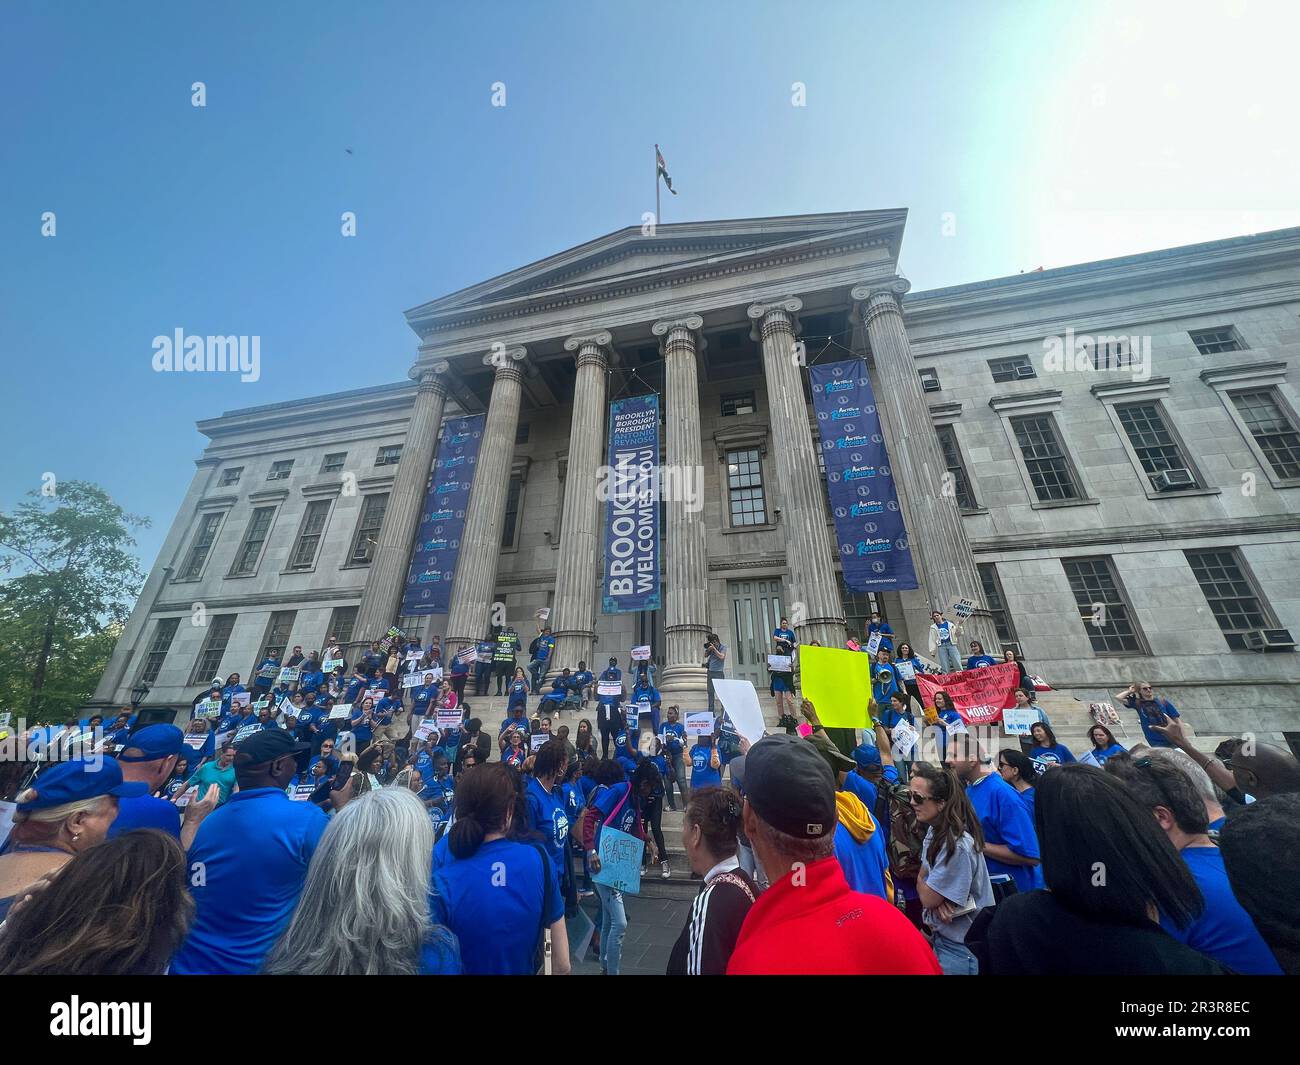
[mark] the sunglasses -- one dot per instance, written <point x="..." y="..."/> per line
<point x="917" y="800"/>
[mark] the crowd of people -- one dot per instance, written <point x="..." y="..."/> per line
<point x="335" y="819"/>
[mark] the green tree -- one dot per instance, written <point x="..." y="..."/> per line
<point x="70" y="580"/>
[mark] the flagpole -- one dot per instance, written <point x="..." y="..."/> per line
<point x="656" y="187"/>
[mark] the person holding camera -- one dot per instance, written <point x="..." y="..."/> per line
<point x="1151" y="710"/>
<point x="715" y="657"/>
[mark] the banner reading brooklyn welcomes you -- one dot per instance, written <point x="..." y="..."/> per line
<point x="631" y="569"/>
<point x="437" y="543"/>
<point x="868" y="520"/>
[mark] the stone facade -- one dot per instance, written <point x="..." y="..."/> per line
<point x="707" y="310"/>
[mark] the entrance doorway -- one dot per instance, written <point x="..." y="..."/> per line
<point x="755" y="611"/>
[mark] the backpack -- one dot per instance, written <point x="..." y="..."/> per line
<point x="906" y="833"/>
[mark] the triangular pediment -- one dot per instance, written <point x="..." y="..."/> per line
<point x="632" y="255"/>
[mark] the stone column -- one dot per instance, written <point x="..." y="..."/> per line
<point x="945" y="565"/>
<point x="686" y="570"/>
<point x="573" y="616"/>
<point x="813" y="602"/>
<point x="480" y="544"/>
<point x="382" y="598"/>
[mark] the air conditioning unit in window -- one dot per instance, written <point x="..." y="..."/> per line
<point x="930" y="384"/>
<point x="1024" y="371"/>
<point x="1171" y="480"/>
<point x="1269" y="640"/>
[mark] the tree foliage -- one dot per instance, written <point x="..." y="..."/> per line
<point x="69" y="579"/>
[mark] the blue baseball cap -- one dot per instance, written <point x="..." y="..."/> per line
<point x="865" y="754"/>
<point x="153" y="742"/>
<point x="78" y="780"/>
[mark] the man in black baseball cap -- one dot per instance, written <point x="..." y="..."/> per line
<point x="810" y="921"/>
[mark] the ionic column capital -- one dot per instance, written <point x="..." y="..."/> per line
<point x="507" y="362"/>
<point x="683" y="330"/>
<point x="432" y="376"/>
<point x="878" y="298"/>
<point x="591" y="348"/>
<point x="778" y="315"/>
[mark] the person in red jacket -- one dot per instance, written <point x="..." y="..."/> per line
<point x="810" y="922"/>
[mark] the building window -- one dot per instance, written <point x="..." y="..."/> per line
<point x="389" y="455"/>
<point x="372" y="518"/>
<point x="280" y="470"/>
<point x="745" y="488"/>
<point x="157" y="653"/>
<point x="1102" y="607"/>
<point x="254" y="540"/>
<point x="1049" y="469"/>
<point x="203" y="541"/>
<point x="277" y="636"/>
<point x="1111" y="353"/>
<point x="521" y="433"/>
<point x="1272" y="429"/>
<point x="342" y="622"/>
<point x="231" y="476"/>
<point x="511" y="520"/>
<point x="334" y="462"/>
<point x="1216" y="341"/>
<point x="1162" y="459"/>
<point x="996" y="604"/>
<point x="1013" y="368"/>
<point x="208" y="664"/>
<point x="735" y="403"/>
<point x="929" y="379"/>
<point x="952" y="462"/>
<point x="1234" y="602"/>
<point x="313" y="524"/>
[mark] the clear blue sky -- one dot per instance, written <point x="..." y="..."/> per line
<point x="1055" y="133"/>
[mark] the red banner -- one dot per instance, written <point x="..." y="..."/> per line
<point x="980" y="695"/>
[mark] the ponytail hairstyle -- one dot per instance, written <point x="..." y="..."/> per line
<point x="485" y="799"/>
<point x="958" y="817"/>
<point x="717" y="813"/>
<point x="1020" y="762"/>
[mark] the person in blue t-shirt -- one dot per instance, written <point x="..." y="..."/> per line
<point x="1010" y="840"/>
<point x="978" y="656"/>
<point x="1223" y="930"/>
<point x="608" y="716"/>
<point x="884" y="678"/>
<point x="547" y="814"/>
<point x="267" y="671"/>
<point x="517" y="693"/>
<point x="494" y="891"/>
<point x="617" y="805"/>
<point x="149" y="758"/>
<point x="362" y="723"/>
<point x="553" y="701"/>
<point x="580" y="683"/>
<point x="644" y="696"/>
<point x="1151" y="710"/>
<point x="875" y="625"/>
<point x="515" y="753"/>
<point x="253" y="854"/>
<point x="232" y="687"/>
<point x="672" y="734"/>
<point x="1046" y="752"/>
<point x="625" y="753"/>
<point x="1104" y="746"/>
<point x="948" y="721"/>
<point x="1017" y="770"/>
<point x="703" y="753"/>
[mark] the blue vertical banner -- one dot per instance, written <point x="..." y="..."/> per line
<point x="874" y="548"/>
<point x="437" y="542"/>
<point x="630" y="486"/>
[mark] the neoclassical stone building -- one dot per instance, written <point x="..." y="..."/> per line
<point x="1105" y="457"/>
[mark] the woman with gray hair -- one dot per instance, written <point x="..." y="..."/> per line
<point x="364" y="908"/>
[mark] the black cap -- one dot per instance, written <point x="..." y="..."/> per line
<point x="267" y="745"/>
<point x="790" y="786"/>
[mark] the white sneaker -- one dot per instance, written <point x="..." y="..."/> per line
<point x="665" y="874"/>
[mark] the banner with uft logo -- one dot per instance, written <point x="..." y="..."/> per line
<point x="873" y="542"/>
<point x="437" y="541"/>
<point x="630" y="578"/>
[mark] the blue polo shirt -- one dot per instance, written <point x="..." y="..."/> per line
<point x="492" y="902"/>
<point x="703" y="775"/>
<point x="247" y="866"/>
<point x="144" y="811"/>
<point x="1224" y="931"/>
<point x="1005" y="820"/>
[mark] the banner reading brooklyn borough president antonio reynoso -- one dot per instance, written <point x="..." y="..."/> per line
<point x="873" y="542"/>
<point x="631" y="566"/>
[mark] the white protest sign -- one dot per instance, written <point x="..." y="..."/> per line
<point x="414" y="656"/>
<point x="641" y="654"/>
<point x="340" y="710"/>
<point x="331" y="664"/>
<point x="246" y="731"/>
<point x="209" y="708"/>
<point x="195" y="739"/>
<point x="302" y="792"/>
<point x="904" y="738"/>
<point x="375" y="694"/>
<point x="7" y="810"/>
<point x="906" y="671"/>
<point x="413" y="680"/>
<point x="962" y="608"/>
<point x="700" y="722"/>
<point x="1017" y="720"/>
<point x="240" y="699"/>
<point x="873" y="644"/>
<point x="290" y="674"/>
<point x="740" y="700"/>
<point x="222" y="739"/>
<point x="268" y="672"/>
<point x="426" y="728"/>
<point x="537" y="739"/>
<point x="542" y="613"/>
<point x="609" y="687"/>
<point x="184" y="800"/>
<point x="779" y="663"/>
<point x="449" y="718"/>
